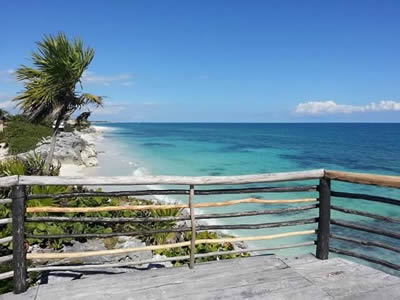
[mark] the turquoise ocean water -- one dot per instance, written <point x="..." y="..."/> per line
<point x="236" y="149"/>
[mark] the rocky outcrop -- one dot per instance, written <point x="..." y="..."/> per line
<point x="71" y="147"/>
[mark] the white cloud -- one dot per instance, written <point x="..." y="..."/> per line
<point x="331" y="107"/>
<point x="93" y="78"/>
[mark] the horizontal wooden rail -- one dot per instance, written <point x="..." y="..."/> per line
<point x="6" y="258"/>
<point x="163" y="219"/>
<point x="365" y="214"/>
<point x="5" y="201"/>
<point x="9" y="181"/>
<point x="6" y="275"/>
<point x="178" y="229"/>
<point x="366" y="197"/>
<point x="365" y="243"/>
<point x="365" y="257"/>
<point x="166" y="246"/>
<point x="151" y="261"/>
<point x="155" y="207"/>
<point x="6" y="240"/>
<point x="170" y="180"/>
<point x="387" y="233"/>
<point x="372" y="179"/>
<point x="5" y="221"/>
<point x="307" y="188"/>
<point x="361" y="178"/>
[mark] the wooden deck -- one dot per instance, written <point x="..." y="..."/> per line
<point x="262" y="277"/>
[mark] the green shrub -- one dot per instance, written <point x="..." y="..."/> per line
<point x="22" y="136"/>
<point x="66" y="228"/>
<point x="13" y="166"/>
<point x="51" y="228"/>
<point x="31" y="164"/>
<point x="201" y="248"/>
<point x="35" y="165"/>
<point x="159" y="238"/>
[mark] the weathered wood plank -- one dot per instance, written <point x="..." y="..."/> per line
<point x="343" y="278"/>
<point x="5" y="275"/>
<point x="8" y="181"/>
<point x="193" y="228"/>
<point x="18" y="239"/>
<point x="261" y="277"/>
<point x="365" y="214"/>
<point x="5" y="221"/>
<point x="5" y="201"/>
<point x="166" y="246"/>
<point x="6" y="240"/>
<point x="165" y="259"/>
<point x="379" y="293"/>
<point x="361" y="178"/>
<point x="322" y="251"/>
<point x="6" y="258"/>
<point x="366" y="197"/>
<point x="164" y="206"/>
<point x="366" y="257"/>
<point x="288" y="189"/>
<point x="256" y="278"/>
<point x="171" y="180"/>
<point x="365" y="243"/>
<point x="178" y="283"/>
<point x="178" y="229"/>
<point x="387" y="233"/>
<point x="163" y="219"/>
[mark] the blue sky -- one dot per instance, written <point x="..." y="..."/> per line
<point x="222" y="61"/>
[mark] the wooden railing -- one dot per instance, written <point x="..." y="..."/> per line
<point x="321" y="205"/>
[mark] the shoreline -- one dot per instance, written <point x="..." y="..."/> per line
<point x="117" y="159"/>
<point x="110" y="157"/>
<point x="93" y="137"/>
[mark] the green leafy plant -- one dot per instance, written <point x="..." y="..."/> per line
<point x="31" y="164"/>
<point x="201" y="248"/>
<point x="13" y="166"/>
<point x="160" y="238"/>
<point x="22" y="136"/>
<point x="35" y="164"/>
<point x="66" y="228"/>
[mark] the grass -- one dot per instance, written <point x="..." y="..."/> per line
<point x="22" y="136"/>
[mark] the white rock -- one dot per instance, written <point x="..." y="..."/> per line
<point x="71" y="147"/>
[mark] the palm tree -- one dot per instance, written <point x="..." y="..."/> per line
<point x="53" y="87"/>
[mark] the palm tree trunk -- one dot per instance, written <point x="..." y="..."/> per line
<point x="49" y="158"/>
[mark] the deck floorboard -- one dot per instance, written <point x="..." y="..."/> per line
<point x="261" y="277"/>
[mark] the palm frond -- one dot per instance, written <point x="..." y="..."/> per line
<point x="49" y="86"/>
<point x="86" y="99"/>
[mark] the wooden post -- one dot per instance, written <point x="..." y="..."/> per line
<point x="19" y="252"/>
<point x="193" y="225"/>
<point x="324" y="189"/>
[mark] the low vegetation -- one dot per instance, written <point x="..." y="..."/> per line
<point x="21" y="135"/>
<point x="34" y="165"/>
